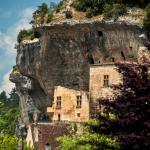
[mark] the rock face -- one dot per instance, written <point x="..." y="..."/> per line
<point x="63" y="55"/>
<point x="144" y="55"/>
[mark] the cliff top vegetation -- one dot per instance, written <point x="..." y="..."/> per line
<point x="122" y="10"/>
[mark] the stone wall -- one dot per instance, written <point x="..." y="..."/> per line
<point x="69" y="111"/>
<point x="97" y="89"/>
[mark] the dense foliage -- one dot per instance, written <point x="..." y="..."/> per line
<point x="114" y="11"/>
<point x="8" y="142"/>
<point x="26" y="35"/>
<point x="89" y="140"/>
<point x="125" y="118"/>
<point x="130" y="108"/>
<point x="68" y="14"/>
<point x="111" y="8"/>
<point x="44" y="13"/>
<point x="9" y="112"/>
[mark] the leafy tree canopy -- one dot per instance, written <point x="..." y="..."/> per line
<point x="130" y="108"/>
<point x="9" y="112"/>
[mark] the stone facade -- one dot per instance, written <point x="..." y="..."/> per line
<point x="69" y="105"/>
<point x="102" y="77"/>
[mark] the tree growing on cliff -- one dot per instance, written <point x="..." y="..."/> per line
<point x="44" y="13"/>
<point x="26" y="35"/>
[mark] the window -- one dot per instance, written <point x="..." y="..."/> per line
<point x="58" y="102"/>
<point x="59" y="117"/>
<point x="78" y="114"/>
<point x="113" y="59"/>
<point x="79" y="101"/>
<point x="47" y="147"/>
<point x="106" y="81"/>
<point x="130" y="47"/>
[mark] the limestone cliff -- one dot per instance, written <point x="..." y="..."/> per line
<point x="63" y="54"/>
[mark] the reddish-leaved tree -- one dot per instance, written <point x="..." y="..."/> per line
<point x="128" y="116"/>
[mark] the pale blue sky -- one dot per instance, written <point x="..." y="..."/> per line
<point x="14" y="16"/>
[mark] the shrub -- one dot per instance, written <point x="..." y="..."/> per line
<point x="21" y="35"/>
<point x="108" y="11"/>
<point x="49" y="17"/>
<point x="58" y="7"/>
<point x="8" y="142"/>
<point x="25" y="35"/>
<point x="89" y="13"/>
<point x="114" y="11"/>
<point x="79" y="5"/>
<point x="83" y="5"/>
<point x="68" y="14"/>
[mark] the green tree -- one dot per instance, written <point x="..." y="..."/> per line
<point x="114" y="11"/>
<point x="89" y="140"/>
<point x="13" y="97"/>
<point x="39" y="14"/>
<point x="26" y="35"/>
<point x="95" y="5"/>
<point x="9" y="113"/>
<point x="52" y="7"/>
<point x="3" y="98"/>
<point x="8" y="142"/>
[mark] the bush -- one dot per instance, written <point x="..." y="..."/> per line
<point x="8" y="142"/>
<point x="89" y="13"/>
<point x="96" y="6"/>
<point x="58" y="7"/>
<point x="68" y="14"/>
<point x="49" y="17"/>
<point x="135" y="3"/>
<point x="108" y="11"/>
<point x="88" y="140"/>
<point x="114" y="11"/>
<point x="25" y="35"/>
<point x="79" y="5"/>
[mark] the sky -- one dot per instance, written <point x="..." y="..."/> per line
<point x="14" y="16"/>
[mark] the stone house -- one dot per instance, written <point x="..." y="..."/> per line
<point x="69" y="105"/>
<point x="102" y="77"/>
